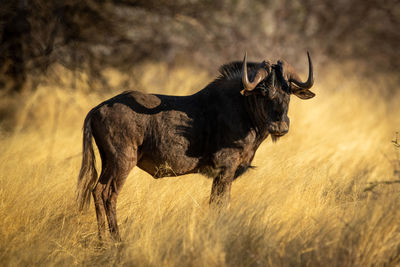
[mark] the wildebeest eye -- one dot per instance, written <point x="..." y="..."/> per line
<point x="280" y="80"/>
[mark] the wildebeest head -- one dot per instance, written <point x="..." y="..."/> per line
<point x="274" y="83"/>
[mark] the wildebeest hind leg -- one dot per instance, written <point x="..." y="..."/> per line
<point x="100" y="212"/>
<point x="120" y="169"/>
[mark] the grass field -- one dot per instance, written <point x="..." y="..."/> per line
<point x="309" y="202"/>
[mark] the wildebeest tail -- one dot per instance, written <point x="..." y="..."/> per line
<point x="88" y="175"/>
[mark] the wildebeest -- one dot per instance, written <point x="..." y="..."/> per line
<point x="215" y="131"/>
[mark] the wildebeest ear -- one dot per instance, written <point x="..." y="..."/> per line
<point x="303" y="93"/>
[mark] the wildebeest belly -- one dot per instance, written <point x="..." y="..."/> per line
<point x="166" y="162"/>
<point x="159" y="169"/>
<point x="166" y="149"/>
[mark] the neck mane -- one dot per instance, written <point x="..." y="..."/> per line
<point x="254" y="104"/>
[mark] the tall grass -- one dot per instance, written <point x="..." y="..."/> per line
<point x="304" y="204"/>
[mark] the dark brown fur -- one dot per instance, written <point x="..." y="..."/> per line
<point x="215" y="132"/>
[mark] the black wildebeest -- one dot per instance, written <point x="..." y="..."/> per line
<point x="215" y="131"/>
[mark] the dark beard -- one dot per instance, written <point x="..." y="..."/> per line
<point x="275" y="138"/>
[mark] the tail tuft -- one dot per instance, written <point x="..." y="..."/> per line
<point x="88" y="175"/>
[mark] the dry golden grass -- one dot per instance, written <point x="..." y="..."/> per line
<point x="304" y="204"/>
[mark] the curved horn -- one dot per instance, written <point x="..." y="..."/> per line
<point x="261" y="74"/>
<point x="310" y="81"/>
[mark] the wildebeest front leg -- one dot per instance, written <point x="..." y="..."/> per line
<point x="221" y="188"/>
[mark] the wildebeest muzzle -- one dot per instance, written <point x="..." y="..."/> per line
<point x="279" y="128"/>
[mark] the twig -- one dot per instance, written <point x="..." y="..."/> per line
<point x="396" y="141"/>
<point x="372" y="185"/>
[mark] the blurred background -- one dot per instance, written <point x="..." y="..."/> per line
<point x="326" y="194"/>
<point x="40" y="37"/>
